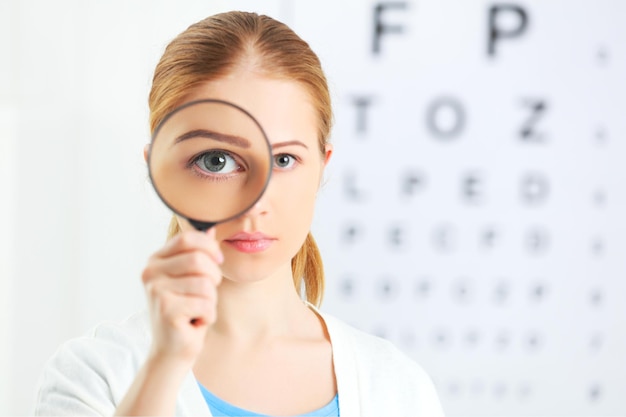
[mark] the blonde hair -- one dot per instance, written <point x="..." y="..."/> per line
<point x="215" y="46"/>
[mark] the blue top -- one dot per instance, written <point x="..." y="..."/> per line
<point x="220" y="407"/>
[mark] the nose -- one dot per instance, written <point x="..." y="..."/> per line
<point x="258" y="209"/>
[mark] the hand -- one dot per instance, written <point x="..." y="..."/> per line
<point x="181" y="283"/>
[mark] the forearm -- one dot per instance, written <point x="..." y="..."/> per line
<point x="154" y="390"/>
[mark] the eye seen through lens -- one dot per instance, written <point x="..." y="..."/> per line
<point x="217" y="162"/>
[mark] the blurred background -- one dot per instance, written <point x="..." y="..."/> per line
<point x="473" y="212"/>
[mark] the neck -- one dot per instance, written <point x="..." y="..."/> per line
<point x="266" y="309"/>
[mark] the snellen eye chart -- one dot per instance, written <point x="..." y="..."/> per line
<point x="473" y="212"/>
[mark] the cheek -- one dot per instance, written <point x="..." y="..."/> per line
<point x="295" y="213"/>
<point x="298" y="192"/>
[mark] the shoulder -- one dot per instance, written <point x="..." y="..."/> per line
<point x="376" y="351"/>
<point x="388" y="380"/>
<point x="124" y="340"/>
<point x="132" y="331"/>
<point x="89" y="374"/>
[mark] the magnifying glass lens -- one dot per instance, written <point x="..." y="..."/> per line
<point x="209" y="161"/>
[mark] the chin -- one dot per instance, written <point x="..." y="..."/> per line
<point x="253" y="270"/>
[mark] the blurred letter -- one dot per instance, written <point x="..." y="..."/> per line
<point x="528" y="133"/>
<point x="380" y="28"/>
<point x="442" y="109"/>
<point x="362" y="104"/>
<point x="535" y="188"/>
<point x="496" y="33"/>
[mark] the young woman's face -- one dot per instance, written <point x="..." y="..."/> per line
<point x="263" y="241"/>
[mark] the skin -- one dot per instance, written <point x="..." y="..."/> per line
<point x="256" y="345"/>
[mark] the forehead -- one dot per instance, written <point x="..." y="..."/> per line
<point x="283" y="107"/>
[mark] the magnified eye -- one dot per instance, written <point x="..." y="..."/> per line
<point x="217" y="162"/>
<point x="284" y="160"/>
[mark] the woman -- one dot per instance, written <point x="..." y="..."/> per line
<point x="254" y="346"/>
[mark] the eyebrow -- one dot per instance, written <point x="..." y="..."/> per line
<point x="202" y="133"/>
<point x="289" y="143"/>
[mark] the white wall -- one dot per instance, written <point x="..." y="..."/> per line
<point x="74" y="79"/>
<point x="8" y="136"/>
<point x="7" y="253"/>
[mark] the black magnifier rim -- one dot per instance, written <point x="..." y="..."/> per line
<point x="204" y="224"/>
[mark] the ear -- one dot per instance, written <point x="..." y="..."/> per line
<point x="328" y="152"/>
<point x="146" y="149"/>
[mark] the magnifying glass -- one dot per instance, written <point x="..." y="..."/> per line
<point x="209" y="161"/>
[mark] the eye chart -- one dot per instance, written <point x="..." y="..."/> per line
<point x="473" y="211"/>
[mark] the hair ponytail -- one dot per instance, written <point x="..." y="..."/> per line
<point x="307" y="268"/>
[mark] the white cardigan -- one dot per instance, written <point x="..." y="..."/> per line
<point x="90" y="375"/>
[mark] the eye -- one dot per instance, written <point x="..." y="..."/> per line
<point x="216" y="162"/>
<point x="284" y="160"/>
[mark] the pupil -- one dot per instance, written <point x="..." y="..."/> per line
<point x="215" y="162"/>
<point x="283" y="160"/>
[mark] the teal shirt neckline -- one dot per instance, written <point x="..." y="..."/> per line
<point x="220" y="407"/>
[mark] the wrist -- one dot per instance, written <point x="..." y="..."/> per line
<point x="155" y="388"/>
<point x="162" y="364"/>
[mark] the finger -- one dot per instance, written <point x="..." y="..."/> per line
<point x="177" y="310"/>
<point x="192" y="287"/>
<point x="195" y="263"/>
<point x="199" y="287"/>
<point x="216" y="251"/>
<point x="190" y="241"/>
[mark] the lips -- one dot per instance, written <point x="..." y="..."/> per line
<point x="250" y="242"/>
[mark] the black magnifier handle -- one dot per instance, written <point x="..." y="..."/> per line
<point x="201" y="226"/>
